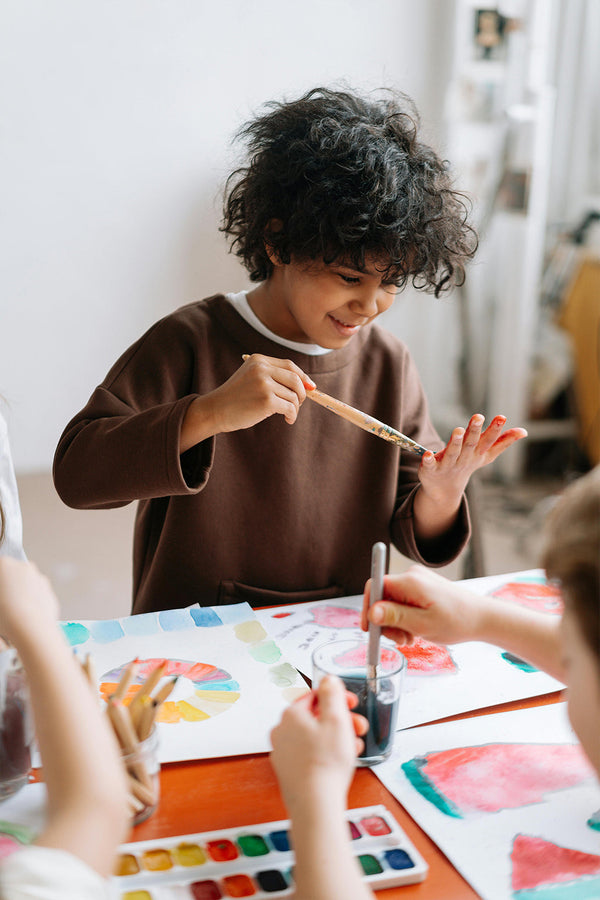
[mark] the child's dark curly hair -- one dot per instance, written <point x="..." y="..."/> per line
<point x="337" y="177"/>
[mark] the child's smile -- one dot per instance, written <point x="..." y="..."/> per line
<point x="321" y="304"/>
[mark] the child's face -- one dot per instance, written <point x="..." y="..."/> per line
<point x="322" y="304"/>
<point x="583" y="686"/>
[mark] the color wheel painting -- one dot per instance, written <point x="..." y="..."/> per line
<point x="225" y="661"/>
<point x="440" y="681"/>
<point x="202" y="690"/>
<point x="509" y="798"/>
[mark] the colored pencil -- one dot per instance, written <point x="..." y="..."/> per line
<point x="145" y="690"/>
<point x="165" y="691"/>
<point x="127" y="676"/>
<point x="362" y="420"/>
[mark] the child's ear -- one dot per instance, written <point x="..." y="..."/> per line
<point x="274" y="226"/>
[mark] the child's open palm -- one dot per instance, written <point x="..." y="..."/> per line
<point x="447" y="472"/>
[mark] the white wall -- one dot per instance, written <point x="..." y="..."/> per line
<point x="117" y="119"/>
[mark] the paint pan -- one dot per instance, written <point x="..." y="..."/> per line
<point x="256" y="861"/>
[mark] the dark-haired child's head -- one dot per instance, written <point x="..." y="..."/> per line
<point x="339" y="178"/>
<point x="572" y="557"/>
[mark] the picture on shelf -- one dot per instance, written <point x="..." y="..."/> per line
<point x="490" y="33"/>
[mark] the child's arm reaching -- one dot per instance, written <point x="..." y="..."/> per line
<point x="445" y="475"/>
<point x="261" y="387"/>
<point x="87" y="812"/>
<point x="421" y="602"/>
<point x="314" y="752"/>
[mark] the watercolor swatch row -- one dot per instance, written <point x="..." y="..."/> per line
<point x="257" y="861"/>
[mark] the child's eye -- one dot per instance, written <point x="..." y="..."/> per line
<point x="349" y="279"/>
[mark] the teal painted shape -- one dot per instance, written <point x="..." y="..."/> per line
<point x="582" y="889"/>
<point x="218" y="685"/>
<point x="75" y="633"/>
<point x="422" y="784"/>
<point x="518" y="662"/>
<point x="594" y="821"/>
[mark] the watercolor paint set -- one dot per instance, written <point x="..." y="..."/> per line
<point x="256" y="861"/>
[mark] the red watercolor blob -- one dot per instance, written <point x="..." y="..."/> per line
<point x="532" y="594"/>
<point x="425" y="658"/>
<point x="205" y="890"/>
<point x="537" y="862"/>
<point x="239" y="886"/>
<point x="375" y="826"/>
<point x="221" y="851"/>
<point x="504" y="776"/>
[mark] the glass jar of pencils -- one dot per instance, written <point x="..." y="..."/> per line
<point x="142" y="767"/>
<point x="16" y="724"/>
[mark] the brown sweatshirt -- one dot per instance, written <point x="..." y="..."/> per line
<point x="269" y="514"/>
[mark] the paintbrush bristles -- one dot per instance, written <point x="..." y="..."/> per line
<point x="365" y="421"/>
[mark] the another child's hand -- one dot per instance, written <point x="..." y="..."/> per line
<point x="316" y="743"/>
<point x="26" y="598"/>
<point x="421" y="602"/>
<point x="445" y="474"/>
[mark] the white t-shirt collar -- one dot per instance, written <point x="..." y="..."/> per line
<point x="240" y="302"/>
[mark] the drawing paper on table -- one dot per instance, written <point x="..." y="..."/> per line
<point x="494" y="792"/>
<point x="440" y="681"/>
<point x="233" y="681"/>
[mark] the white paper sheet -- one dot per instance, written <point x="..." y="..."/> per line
<point x="508" y="798"/>
<point x="440" y="681"/>
<point x="236" y="681"/>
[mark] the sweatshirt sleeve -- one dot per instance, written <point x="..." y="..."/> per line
<point x="417" y="424"/>
<point x="124" y="444"/>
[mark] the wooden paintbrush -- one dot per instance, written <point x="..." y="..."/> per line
<point x="378" y="555"/>
<point x="361" y="419"/>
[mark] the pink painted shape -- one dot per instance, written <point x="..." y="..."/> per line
<point x="505" y="776"/>
<point x="537" y="862"/>
<point x="532" y="594"/>
<point x="358" y="658"/>
<point x="425" y="658"/>
<point x="336" y="617"/>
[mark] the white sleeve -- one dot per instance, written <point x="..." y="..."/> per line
<point x="43" y="873"/>
<point x="12" y="545"/>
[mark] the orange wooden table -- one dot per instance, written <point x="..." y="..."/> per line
<point x="208" y="795"/>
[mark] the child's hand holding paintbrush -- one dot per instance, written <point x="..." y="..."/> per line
<point x="358" y="418"/>
<point x="443" y="475"/>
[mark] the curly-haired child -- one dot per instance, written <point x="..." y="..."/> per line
<point x="340" y="205"/>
